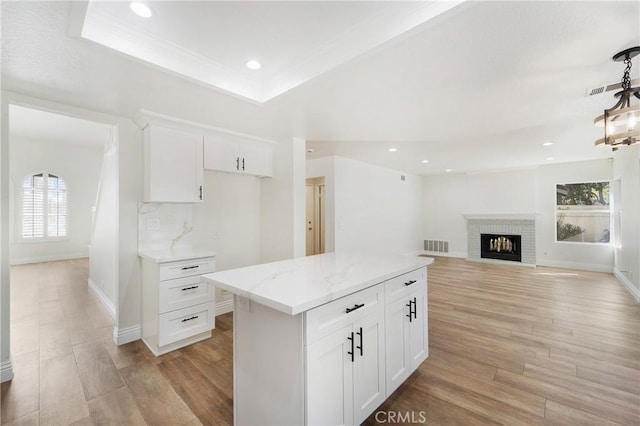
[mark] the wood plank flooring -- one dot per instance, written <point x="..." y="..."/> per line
<point x="508" y="345"/>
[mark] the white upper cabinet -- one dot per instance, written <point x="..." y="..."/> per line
<point x="173" y="165"/>
<point x="234" y="154"/>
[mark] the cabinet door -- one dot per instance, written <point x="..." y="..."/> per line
<point x="369" y="366"/>
<point x="256" y="158"/>
<point x="397" y="343"/>
<point x="419" y="329"/>
<point x="221" y="154"/>
<point x="329" y="396"/>
<point x="173" y="165"/>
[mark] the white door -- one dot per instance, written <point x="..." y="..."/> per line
<point x="175" y="165"/>
<point x="309" y="222"/>
<point x="330" y="380"/>
<point x="256" y="158"/>
<point x="221" y="154"/>
<point x="419" y="329"/>
<point x="397" y="344"/>
<point x="319" y="218"/>
<point x="369" y="366"/>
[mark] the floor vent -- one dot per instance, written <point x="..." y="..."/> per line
<point x="438" y="246"/>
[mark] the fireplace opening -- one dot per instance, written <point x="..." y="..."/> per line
<point x="502" y="247"/>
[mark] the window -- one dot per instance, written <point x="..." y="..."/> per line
<point x="44" y="207"/>
<point x="583" y="212"/>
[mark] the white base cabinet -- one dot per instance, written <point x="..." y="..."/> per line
<point x="178" y="308"/>
<point x="406" y="326"/>
<point x="331" y="365"/>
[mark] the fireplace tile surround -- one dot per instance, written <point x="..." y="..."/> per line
<point x="508" y="224"/>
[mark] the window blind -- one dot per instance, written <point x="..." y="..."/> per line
<point x="38" y="191"/>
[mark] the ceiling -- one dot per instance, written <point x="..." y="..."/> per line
<point x="472" y="86"/>
<point x="45" y="127"/>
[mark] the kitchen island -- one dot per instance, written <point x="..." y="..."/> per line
<point x="324" y="339"/>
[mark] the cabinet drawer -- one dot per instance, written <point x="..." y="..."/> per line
<point x="404" y="284"/>
<point x="182" y="293"/>
<point x="183" y="323"/>
<point x="332" y="316"/>
<point x="187" y="268"/>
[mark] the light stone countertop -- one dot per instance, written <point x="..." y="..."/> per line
<point x="174" y="255"/>
<point x="297" y="285"/>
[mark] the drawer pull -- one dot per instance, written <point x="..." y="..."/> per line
<point x="189" y="319"/>
<point x="352" y="351"/>
<point x="193" y="287"/>
<point x="410" y="282"/>
<point x="184" y="268"/>
<point x="356" y="306"/>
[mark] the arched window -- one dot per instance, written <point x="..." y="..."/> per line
<point x="44" y="207"/>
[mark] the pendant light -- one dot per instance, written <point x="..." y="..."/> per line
<point x="621" y="122"/>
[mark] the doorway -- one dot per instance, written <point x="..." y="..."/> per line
<point x="315" y="229"/>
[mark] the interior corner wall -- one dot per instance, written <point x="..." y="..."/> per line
<point x="80" y="167"/>
<point x="6" y="370"/>
<point x="279" y="195"/>
<point x="128" y="312"/>
<point x="626" y="167"/>
<point x="445" y="199"/>
<point x="594" y="257"/>
<point x="324" y="167"/>
<point x="375" y="209"/>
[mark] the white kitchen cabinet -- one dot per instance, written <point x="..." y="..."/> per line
<point x="173" y="165"/>
<point x="346" y="369"/>
<point x="178" y="307"/>
<point x="310" y="335"/>
<point x="406" y="326"/>
<point x="234" y="154"/>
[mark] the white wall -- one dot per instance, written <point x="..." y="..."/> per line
<point x="375" y="210"/>
<point x="445" y="198"/>
<point x="448" y="197"/>
<point x="103" y="261"/>
<point x="282" y="203"/>
<point x="626" y="167"/>
<point x="598" y="257"/>
<point x="323" y="167"/>
<point x="80" y="167"/>
<point x="228" y="221"/>
<point x="6" y="369"/>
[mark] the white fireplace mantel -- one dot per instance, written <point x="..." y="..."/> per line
<point x="509" y="216"/>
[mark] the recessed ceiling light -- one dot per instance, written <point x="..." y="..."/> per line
<point x="253" y="65"/>
<point x="424" y="161"/>
<point x="393" y="149"/>
<point x="141" y="9"/>
<point x="309" y="150"/>
<point x="448" y="170"/>
<point x="550" y="158"/>
<point x="547" y="144"/>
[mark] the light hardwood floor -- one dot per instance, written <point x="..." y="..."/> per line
<point x="508" y="345"/>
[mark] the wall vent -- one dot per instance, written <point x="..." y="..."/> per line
<point x="437" y="246"/>
<point x="614" y="86"/>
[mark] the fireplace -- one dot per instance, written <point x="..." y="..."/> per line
<point x="502" y="247"/>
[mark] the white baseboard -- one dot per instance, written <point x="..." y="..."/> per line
<point x="103" y="298"/>
<point x="635" y="292"/>
<point x="224" y="307"/>
<point x="594" y="267"/>
<point x="6" y="371"/>
<point x="52" y="258"/>
<point x="126" y="335"/>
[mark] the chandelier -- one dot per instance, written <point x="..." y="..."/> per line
<point x="621" y="122"/>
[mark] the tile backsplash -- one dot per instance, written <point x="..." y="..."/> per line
<point x="164" y="226"/>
